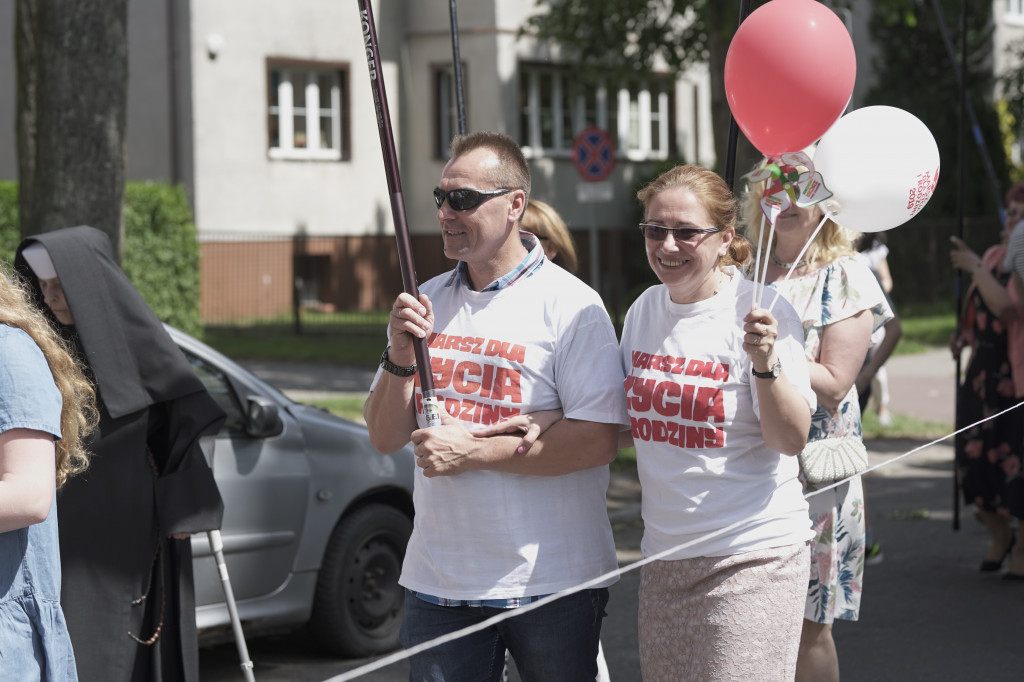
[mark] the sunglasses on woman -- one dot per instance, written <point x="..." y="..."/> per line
<point x="657" y="233"/>
<point x="465" y="199"/>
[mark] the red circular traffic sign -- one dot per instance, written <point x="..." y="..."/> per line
<point x="593" y="154"/>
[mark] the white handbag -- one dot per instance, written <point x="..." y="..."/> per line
<point x="823" y="462"/>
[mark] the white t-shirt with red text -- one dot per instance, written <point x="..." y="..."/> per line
<point x="709" y="481"/>
<point x="546" y="342"/>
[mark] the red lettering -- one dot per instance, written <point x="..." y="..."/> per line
<point x="499" y="348"/>
<point x="714" y="438"/>
<point x="694" y="436"/>
<point x="708" y="405"/>
<point x="659" y="432"/>
<point x="489" y="414"/>
<point x="686" y="404"/>
<point x="642" y="393"/>
<point x="677" y="366"/>
<point x="442" y="370"/>
<point x="467" y="410"/>
<point x="517" y="354"/>
<point x="694" y="368"/>
<point x="665" y="389"/>
<point x="486" y="381"/>
<point x="453" y="343"/>
<point x="506" y="385"/>
<point x="461" y="378"/>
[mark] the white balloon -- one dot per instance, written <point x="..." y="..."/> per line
<point x="881" y="165"/>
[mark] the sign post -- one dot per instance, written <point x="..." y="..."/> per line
<point x="593" y="156"/>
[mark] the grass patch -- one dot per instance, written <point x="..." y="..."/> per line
<point x="902" y="427"/>
<point x="281" y="344"/>
<point x="625" y="461"/>
<point x="924" y="327"/>
<point x="349" y="407"/>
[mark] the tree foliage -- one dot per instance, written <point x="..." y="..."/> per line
<point x="619" y="38"/>
<point x="917" y="71"/>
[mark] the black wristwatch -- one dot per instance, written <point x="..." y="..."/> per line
<point x="772" y="373"/>
<point x="397" y="370"/>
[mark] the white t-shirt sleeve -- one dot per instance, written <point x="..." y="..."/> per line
<point x="588" y="370"/>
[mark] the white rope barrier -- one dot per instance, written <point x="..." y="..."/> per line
<point x="404" y="654"/>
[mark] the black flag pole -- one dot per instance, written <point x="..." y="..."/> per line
<point x="431" y="410"/>
<point x="961" y="177"/>
<point x="734" y="129"/>
<point x="460" y="103"/>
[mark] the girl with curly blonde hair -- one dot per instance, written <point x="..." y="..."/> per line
<point x="47" y="407"/>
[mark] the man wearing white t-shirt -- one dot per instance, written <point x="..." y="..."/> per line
<point x="497" y="528"/>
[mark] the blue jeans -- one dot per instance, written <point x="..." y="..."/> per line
<point x="555" y="643"/>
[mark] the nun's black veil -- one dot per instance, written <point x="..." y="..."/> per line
<point x="148" y="477"/>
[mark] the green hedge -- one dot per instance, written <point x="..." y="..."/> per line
<point x="161" y="252"/>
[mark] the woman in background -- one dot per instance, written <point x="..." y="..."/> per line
<point x="543" y="221"/>
<point x="46" y="409"/>
<point x="988" y="456"/>
<point x="840" y="304"/>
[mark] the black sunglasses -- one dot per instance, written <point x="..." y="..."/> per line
<point x="657" y="233"/>
<point x="465" y="199"/>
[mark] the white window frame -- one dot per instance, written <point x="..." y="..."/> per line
<point x="446" y="108"/>
<point x="651" y="107"/>
<point x="1015" y="9"/>
<point x="315" y="109"/>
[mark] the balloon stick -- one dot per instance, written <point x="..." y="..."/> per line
<point x="810" y="240"/>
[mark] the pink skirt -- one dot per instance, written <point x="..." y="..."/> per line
<point x="723" y="618"/>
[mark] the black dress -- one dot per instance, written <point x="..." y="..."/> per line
<point x="989" y="455"/>
<point x="127" y="589"/>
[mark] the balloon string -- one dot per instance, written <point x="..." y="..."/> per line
<point x="756" y="295"/>
<point x="764" y="270"/>
<point x="800" y="255"/>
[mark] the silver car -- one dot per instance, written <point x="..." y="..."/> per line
<point x="315" y="520"/>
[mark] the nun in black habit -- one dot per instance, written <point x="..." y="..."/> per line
<point x="125" y="555"/>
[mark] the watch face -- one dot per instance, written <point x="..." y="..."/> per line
<point x="777" y="368"/>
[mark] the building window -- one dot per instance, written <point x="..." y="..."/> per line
<point x="1015" y="9"/>
<point x="555" y="105"/>
<point x="446" y="108"/>
<point x="308" y="110"/>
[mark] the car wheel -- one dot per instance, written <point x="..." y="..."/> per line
<point x="357" y="609"/>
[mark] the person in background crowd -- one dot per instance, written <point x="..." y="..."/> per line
<point x="542" y="220"/>
<point x="499" y="526"/>
<point x="125" y="524"/>
<point x="840" y="305"/>
<point x="871" y="247"/>
<point x="989" y="454"/>
<point x="47" y="408"/>
<point x="1014" y="261"/>
<point x="719" y="400"/>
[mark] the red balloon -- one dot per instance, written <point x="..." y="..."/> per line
<point x="789" y="74"/>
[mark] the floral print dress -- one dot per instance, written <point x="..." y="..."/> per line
<point x="828" y="295"/>
<point x="988" y="455"/>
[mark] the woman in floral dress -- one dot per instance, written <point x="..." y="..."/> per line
<point x="840" y="304"/>
<point x="989" y="455"/>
